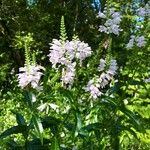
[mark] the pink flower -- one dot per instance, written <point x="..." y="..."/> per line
<point x="30" y="75"/>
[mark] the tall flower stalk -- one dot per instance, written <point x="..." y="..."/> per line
<point x="30" y="74"/>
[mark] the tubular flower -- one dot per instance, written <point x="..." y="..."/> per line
<point x="80" y="49"/>
<point x="68" y="74"/>
<point x="57" y="51"/>
<point x="137" y="41"/>
<point x="66" y="54"/>
<point x="112" y="23"/>
<point x="93" y="88"/>
<point x="101" y="65"/>
<point x="99" y="82"/>
<point x="30" y="75"/>
<point x="144" y="11"/>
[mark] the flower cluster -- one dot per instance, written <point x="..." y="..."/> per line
<point x="65" y="53"/>
<point x="138" y="41"/>
<point x="147" y="80"/>
<point x="144" y="11"/>
<point x="112" y="23"/>
<point x="99" y="82"/>
<point x="30" y="75"/>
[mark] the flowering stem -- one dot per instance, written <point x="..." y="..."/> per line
<point x="27" y="57"/>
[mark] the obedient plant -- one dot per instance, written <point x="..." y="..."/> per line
<point x="31" y="73"/>
<point x="138" y="41"/>
<point x="144" y="11"/>
<point x="66" y="54"/>
<point x="106" y="117"/>
<point x="99" y="82"/>
<point x="112" y="23"/>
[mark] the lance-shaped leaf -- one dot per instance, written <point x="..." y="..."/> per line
<point x="30" y="97"/>
<point x="136" y="122"/>
<point x="38" y="126"/>
<point x="55" y="145"/>
<point x="20" y="119"/>
<point x="13" y="130"/>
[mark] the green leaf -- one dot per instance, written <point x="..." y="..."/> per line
<point x="52" y="123"/>
<point x="38" y="126"/>
<point x="55" y="145"/>
<point x="110" y="101"/>
<point x="133" y="118"/>
<point x="13" y="145"/>
<point x="20" y="119"/>
<point x="30" y="97"/>
<point x="129" y="130"/>
<point x="92" y="127"/>
<point x="36" y="144"/>
<point x="79" y="122"/>
<point x="13" y="130"/>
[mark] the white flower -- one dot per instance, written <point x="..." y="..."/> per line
<point x="144" y="11"/>
<point x="101" y="15"/>
<point x="147" y="80"/>
<point x="93" y="89"/>
<point x="137" y="40"/>
<point x="103" y="80"/>
<point x="84" y="50"/>
<point x="100" y="82"/>
<point x="113" y="67"/>
<point x="101" y="65"/>
<point x="114" y="29"/>
<point x="112" y="23"/>
<point x="81" y="49"/>
<point x="147" y="9"/>
<point x="130" y="44"/>
<point x="30" y="75"/>
<point x="103" y="29"/>
<point x="141" y="12"/>
<point x="68" y="74"/>
<point x="140" y="41"/>
<point x="56" y="52"/>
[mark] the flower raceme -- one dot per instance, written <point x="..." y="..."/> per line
<point x="112" y="23"/>
<point x="99" y="82"/>
<point x="66" y="54"/>
<point x="136" y="40"/>
<point x="30" y="75"/>
<point x="62" y="53"/>
<point x="144" y="11"/>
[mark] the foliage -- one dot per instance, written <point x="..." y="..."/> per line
<point x="54" y="114"/>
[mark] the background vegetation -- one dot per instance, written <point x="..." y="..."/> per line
<point x="118" y="120"/>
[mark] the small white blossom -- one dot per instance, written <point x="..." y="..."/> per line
<point x="30" y="75"/>
<point x="93" y="89"/>
<point x="101" y="65"/>
<point x="140" y="41"/>
<point x="141" y="12"/>
<point x="147" y="80"/>
<point x="130" y="44"/>
<point x="112" y="23"/>
<point x="81" y="49"/>
<point x="101" y="15"/>
<point x="56" y="52"/>
<point x="113" y="67"/>
<point x="103" y="29"/>
<point x="100" y="82"/>
<point x="137" y="41"/>
<point x="144" y="11"/>
<point x="68" y="74"/>
<point x="103" y="80"/>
